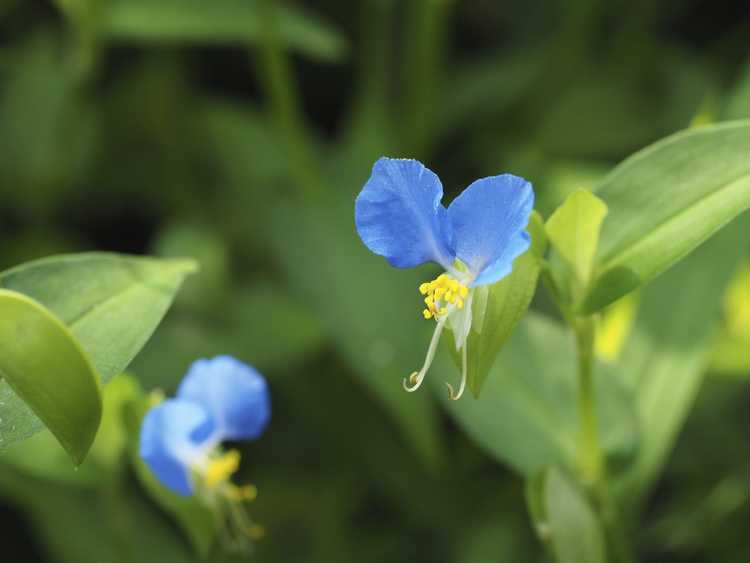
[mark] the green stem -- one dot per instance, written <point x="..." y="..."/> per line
<point x="590" y="458"/>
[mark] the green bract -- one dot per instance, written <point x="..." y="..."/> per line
<point x="498" y="308"/>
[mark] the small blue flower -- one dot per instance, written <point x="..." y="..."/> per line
<point x="219" y="399"/>
<point x="399" y="215"/>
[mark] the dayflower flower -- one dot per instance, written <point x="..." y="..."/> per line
<point x="398" y="215"/>
<point x="219" y="399"/>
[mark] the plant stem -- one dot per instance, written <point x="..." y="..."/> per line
<point x="590" y="458"/>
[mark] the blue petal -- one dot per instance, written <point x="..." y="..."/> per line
<point x="399" y="216"/>
<point x="234" y="394"/>
<point x="488" y="220"/>
<point x="173" y="437"/>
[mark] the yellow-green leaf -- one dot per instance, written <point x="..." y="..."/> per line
<point x="45" y="366"/>
<point x="573" y="231"/>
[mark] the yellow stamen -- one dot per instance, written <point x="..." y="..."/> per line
<point x="221" y="468"/>
<point x="441" y="292"/>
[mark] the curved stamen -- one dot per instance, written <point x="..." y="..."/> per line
<point x="416" y="378"/>
<point x="451" y="394"/>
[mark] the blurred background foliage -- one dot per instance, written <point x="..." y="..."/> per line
<point x="239" y="131"/>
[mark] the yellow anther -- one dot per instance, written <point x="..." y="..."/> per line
<point x="440" y="292"/>
<point x="221" y="468"/>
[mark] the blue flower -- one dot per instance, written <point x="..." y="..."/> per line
<point x="219" y="399"/>
<point x="399" y="215"/>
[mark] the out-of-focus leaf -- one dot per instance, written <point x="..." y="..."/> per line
<point x="527" y="415"/>
<point x="666" y="357"/>
<point x="731" y="353"/>
<point x="498" y="308"/>
<point x="47" y="132"/>
<point x="261" y="324"/>
<point x="481" y="90"/>
<point x="212" y="286"/>
<point x="110" y="525"/>
<point x="218" y="22"/>
<point x="46" y="368"/>
<point x="111" y="303"/>
<point x="614" y="327"/>
<point x="564" y="519"/>
<point x="666" y="200"/>
<point x="370" y="310"/>
<point x="738" y="102"/>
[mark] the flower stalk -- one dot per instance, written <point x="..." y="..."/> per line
<point x="591" y="459"/>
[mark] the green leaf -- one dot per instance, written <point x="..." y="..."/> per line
<point x="527" y="415"/>
<point x="666" y="357"/>
<point x="48" y="370"/>
<point x="573" y="231"/>
<point x="111" y="303"/>
<point x="498" y="308"/>
<point x="564" y="518"/>
<point x="218" y="22"/>
<point x="666" y="200"/>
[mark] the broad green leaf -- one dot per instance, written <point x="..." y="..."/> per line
<point x="111" y="303"/>
<point x="527" y="415"/>
<point x="498" y="308"/>
<point x="573" y="231"/>
<point x="46" y="368"/>
<point x="564" y="519"/>
<point x="666" y="200"/>
<point x="666" y="357"/>
<point x="218" y="22"/>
